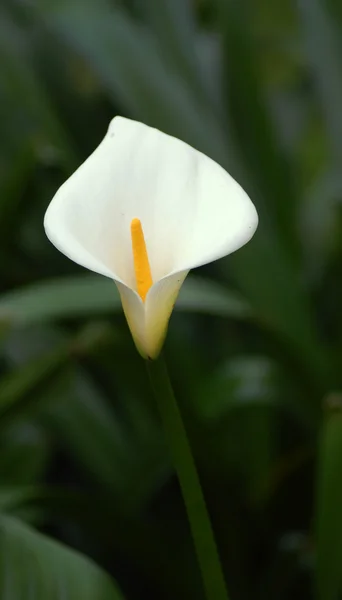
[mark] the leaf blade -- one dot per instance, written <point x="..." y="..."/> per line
<point x="324" y="55"/>
<point x="84" y="295"/>
<point x="31" y="563"/>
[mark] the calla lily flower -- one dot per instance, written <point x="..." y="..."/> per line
<point x="144" y="209"/>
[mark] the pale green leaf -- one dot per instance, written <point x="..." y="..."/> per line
<point x="85" y="295"/>
<point x="34" y="567"/>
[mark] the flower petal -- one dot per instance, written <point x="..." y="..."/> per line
<point x="224" y="218"/>
<point x="159" y="304"/>
<point x="192" y="211"/>
<point x="134" y="310"/>
<point x="148" y="321"/>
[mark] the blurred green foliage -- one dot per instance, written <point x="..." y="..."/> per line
<point x="255" y="346"/>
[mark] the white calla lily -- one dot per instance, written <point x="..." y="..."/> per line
<point x="190" y="210"/>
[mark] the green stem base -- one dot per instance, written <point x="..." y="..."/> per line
<point x="204" y="541"/>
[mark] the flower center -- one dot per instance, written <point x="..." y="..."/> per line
<point x="140" y="257"/>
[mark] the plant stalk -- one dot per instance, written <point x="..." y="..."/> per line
<point x="202" y="533"/>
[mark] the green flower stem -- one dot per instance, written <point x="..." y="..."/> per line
<point x="202" y="532"/>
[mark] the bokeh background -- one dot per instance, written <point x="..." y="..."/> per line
<point x="255" y="343"/>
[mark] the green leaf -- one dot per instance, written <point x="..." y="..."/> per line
<point x="324" y="56"/>
<point x="34" y="566"/>
<point x="239" y="401"/>
<point x="113" y="452"/>
<point x="87" y="295"/>
<point x="267" y="271"/>
<point x="239" y="382"/>
<point x="336" y="10"/>
<point x="67" y="297"/>
<point x="252" y="122"/>
<point x="18" y="171"/>
<point x="113" y="443"/>
<point x="12" y="497"/>
<point x="208" y="297"/>
<point x="25" y="502"/>
<point x="24" y="454"/>
<point x="126" y="62"/>
<point x="173" y="24"/>
<point x="280" y="302"/>
<point x="328" y="518"/>
<point x="26" y="96"/>
<point x="320" y="222"/>
<point x="29" y="380"/>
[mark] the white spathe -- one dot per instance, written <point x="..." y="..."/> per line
<point x="192" y="212"/>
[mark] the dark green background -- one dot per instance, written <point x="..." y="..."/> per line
<point x="255" y="344"/>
